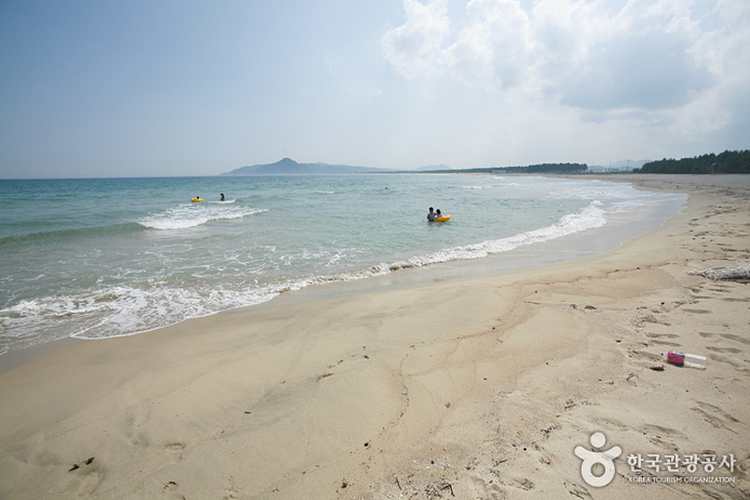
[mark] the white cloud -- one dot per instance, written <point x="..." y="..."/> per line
<point x="641" y="58"/>
<point x="601" y="57"/>
<point x="492" y="50"/>
<point x="414" y="48"/>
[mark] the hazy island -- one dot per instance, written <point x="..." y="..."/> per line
<point x="287" y="166"/>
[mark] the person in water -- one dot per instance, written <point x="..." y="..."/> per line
<point x="431" y="215"/>
<point x="438" y="214"/>
<point x="222" y="196"/>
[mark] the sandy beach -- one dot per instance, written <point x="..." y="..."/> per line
<point x="385" y="395"/>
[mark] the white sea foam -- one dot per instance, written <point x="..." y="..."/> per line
<point x="120" y="311"/>
<point x="590" y="217"/>
<point x="187" y="216"/>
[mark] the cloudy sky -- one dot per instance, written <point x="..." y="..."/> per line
<point x="142" y="87"/>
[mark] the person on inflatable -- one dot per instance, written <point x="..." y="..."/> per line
<point x="431" y="216"/>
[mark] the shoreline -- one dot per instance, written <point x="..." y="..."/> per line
<point x="380" y="394"/>
<point x="526" y="256"/>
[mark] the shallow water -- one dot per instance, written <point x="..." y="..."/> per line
<point x="97" y="258"/>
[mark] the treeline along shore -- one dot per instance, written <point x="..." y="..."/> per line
<point x="728" y="162"/>
<point x="543" y="168"/>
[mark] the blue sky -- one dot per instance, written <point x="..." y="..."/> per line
<point x="142" y="88"/>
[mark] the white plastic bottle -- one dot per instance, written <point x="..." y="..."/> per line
<point x="685" y="359"/>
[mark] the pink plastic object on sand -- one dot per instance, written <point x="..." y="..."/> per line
<point x="683" y="359"/>
<point x="675" y="358"/>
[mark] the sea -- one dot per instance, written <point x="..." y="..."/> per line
<point x="98" y="258"/>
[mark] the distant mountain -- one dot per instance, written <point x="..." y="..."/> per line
<point x="284" y="166"/>
<point x="287" y="166"/>
<point x="434" y="167"/>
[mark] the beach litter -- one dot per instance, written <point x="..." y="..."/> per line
<point x="76" y="466"/>
<point x="685" y="359"/>
<point x="739" y="273"/>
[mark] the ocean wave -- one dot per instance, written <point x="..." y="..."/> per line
<point x="590" y="217"/>
<point x="123" y="310"/>
<point x="116" y="311"/>
<point x="188" y="216"/>
<point x="63" y="234"/>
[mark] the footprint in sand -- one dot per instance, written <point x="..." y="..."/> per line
<point x="732" y="350"/>
<point x="666" y="343"/>
<point x="523" y="484"/>
<point x="657" y="339"/>
<point x="170" y="491"/>
<point x="738" y="365"/>
<point x="611" y="424"/>
<point x="658" y="429"/>
<point x="134" y="418"/>
<point x="649" y="356"/>
<point x="89" y="483"/>
<point x="714" y="415"/>
<point x="660" y="436"/>
<point x="232" y="493"/>
<point x="486" y="487"/>
<point x="736" y="338"/>
<point x="577" y="490"/>
<point x="175" y="451"/>
<point x="650" y="318"/>
<point x="526" y="485"/>
<point x="90" y="476"/>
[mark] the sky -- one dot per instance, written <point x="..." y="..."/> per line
<point x="171" y="88"/>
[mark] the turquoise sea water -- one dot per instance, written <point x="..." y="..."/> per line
<point x="97" y="258"/>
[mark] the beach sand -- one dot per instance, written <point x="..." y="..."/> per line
<point x="387" y="395"/>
